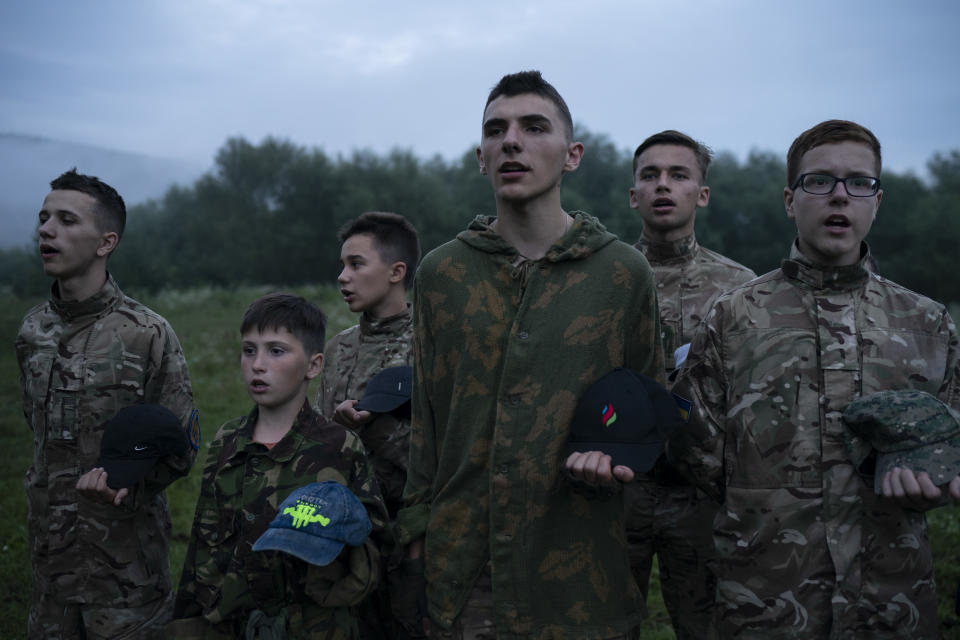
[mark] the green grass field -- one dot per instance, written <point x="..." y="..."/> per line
<point x="207" y="323"/>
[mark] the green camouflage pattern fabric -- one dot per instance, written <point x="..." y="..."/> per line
<point x="666" y="515"/>
<point x="504" y="348"/>
<point x="224" y="581"/>
<point x="805" y="547"/>
<point x="908" y="429"/>
<point x="689" y="278"/>
<point x="351" y="358"/>
<point x="80" y="363"/>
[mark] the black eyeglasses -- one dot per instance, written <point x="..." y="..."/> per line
<point x="821" y="184"/>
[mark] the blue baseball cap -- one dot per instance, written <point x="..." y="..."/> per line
<point x="315" y="522"/>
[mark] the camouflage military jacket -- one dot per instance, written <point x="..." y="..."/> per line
<point x="806" y="548"/>
<point x="503" y="351"/>
<point x="351" y="358"/>
<point x="80" y="363"/>
<point x="689" y="278"/>
<point x="223" y="580"/>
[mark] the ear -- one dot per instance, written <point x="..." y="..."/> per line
<point x="876" y="209"/>
<point x="703" y="198"/>
<point x="108" y="242"/>
<point x="483" y="165"/>
<point x="634" y="200"/>
<point x="398" y="271"/>
<point x="788" y="202"/>
<point x="574" y="155"/>
<point x="314" y="366"/>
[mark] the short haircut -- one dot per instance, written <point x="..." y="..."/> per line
<point x="293" y="313"/>
<point x="111" y="212"/>
<point x="395" y="239"/>
<point x="829" y="132"/>
<point x="515" y="84"/>
<point x="702" y="152"/>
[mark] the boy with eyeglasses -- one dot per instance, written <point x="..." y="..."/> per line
<point x="805" y="547"/>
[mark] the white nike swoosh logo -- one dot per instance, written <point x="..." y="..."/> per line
<point x="140" y="447"/>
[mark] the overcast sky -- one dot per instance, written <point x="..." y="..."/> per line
<point x="177" y="78"/>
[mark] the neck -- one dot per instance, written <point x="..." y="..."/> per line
<point x="275" y="422"/>
<point x="83" y="286"/>
<point x="394" y="304"/>
<point x="670" y="235"/>
<point x="532" y="227"/>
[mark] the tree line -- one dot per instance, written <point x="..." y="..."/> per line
<point x="269" y="213"/>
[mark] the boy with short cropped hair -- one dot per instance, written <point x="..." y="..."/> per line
<point x="805" y="545"/>
<point x="379" y="254"/>
<point x="254" y="463"/>
<point x="98" y="551"/>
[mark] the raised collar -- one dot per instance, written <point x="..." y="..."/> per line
<point x="819" y="277"/>
<point x="97" y="304"/>
<point x="388" y="326"/>
<point x="665" y="251"/>
<point x="289" y="444"/>
<point x="585" y="236"/>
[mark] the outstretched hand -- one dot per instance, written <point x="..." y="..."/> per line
<point x="916" y="491"/>
<point x="93" y="484"/>
<point x="595" y="469"/>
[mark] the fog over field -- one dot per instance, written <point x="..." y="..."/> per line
<point x="30" y="163"/>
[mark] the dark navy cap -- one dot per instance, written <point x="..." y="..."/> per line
<point x="388" y="390"/>
<point x="625" y="415"/>
<point x="135" y="438"/>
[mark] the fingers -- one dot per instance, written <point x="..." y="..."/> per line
<point x="121" y="494"/>
<point x="93" y="484"/>
<point x="591" y="467"/>
<point x="346" y="415"/>
<point x="623" y="474"/>
<point x="955" y="488"/>
<point x="909" y="490"/>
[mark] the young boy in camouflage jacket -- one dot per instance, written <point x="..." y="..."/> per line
<point x="254" y="463"/>
<point x="99" y="556"/>
<point x="380" y="252"/>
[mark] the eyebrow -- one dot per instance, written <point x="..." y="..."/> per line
<point x="528" y="119"/>
<point x="673" y="167"/>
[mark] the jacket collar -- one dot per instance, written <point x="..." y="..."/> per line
<point x="664" y="251"/>
<point x="97" y="304"/>
<point x="800" y="269"/>
<point x="584" y="237"/>
<point x="388" y="326"/>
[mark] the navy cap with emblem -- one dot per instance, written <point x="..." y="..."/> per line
<point x="135" y="438"/>
<point x="625" y="415"/>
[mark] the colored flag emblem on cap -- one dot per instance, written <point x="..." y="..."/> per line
<point x="305" y="513"/>
<point x="609" y="416"/>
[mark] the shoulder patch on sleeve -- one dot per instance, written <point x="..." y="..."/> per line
<point x="684" y="406"/>
<point x="193" y="429"/>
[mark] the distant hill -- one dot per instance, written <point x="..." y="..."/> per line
<point x="30" y="163"/>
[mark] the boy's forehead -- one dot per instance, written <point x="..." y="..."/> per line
<point x="269" y="333"/>
<point x="522" y="104"/>
<point x="667" y="155"/>
<point x="76" y="202"/>
<point x="848" y="155"/>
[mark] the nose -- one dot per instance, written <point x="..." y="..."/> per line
<point x="259" y="362"/>
<point x="342" y="278"/>
<point x="663" y="183"/>
<point x="45" y="229"/>
<point x="511" y="139"/>
<point x="840" y="190"/>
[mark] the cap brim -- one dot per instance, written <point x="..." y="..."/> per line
<point x="125" y="473"/>
<point x="309" y="548"/>
<point x="381" y="403"/>
<point x="639" y="456"/>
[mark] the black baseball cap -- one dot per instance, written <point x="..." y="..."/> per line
<point x="388" y="390"/>
<point x="625" y="415"/>
<point x="135" y="438"/>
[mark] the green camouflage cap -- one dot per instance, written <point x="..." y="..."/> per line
<point x="908" y="429"/>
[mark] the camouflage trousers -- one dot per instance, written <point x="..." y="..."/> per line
<point x="675" y="523"/>
<point x="51" y="618"/>
<point x="475" y="621"/>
